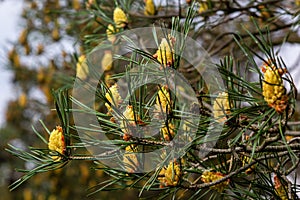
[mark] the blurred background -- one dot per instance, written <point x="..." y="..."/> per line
<point x="38" y="41"/>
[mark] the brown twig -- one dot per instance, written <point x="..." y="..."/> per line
<point x="237" y="171"/>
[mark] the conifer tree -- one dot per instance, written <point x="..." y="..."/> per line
<point x="172" y="99"/>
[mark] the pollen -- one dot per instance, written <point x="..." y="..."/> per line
<point x="165" y="53"/>
<point x="113" y="97"/>
<point x="203" y="7"/>
<point x="106" y="61"/>
<point x="82" y="69"/>
<point x="163" y="100"/>
<point x="168" y="132"/>
<point x="246" y="161"/>
<point x="130" y="159"/>
<point x="280" y="189"/>
<point x="273" y="89"/>
<point x="128" y="113"/>
<point x="57" y="142"/>
<point x="209" y="177"/>
<point x="170" y="175"/>
<point x="129" y="120"/>
<point x="110" y="31"/>
<point x="221" y="107"/>
<point x="120" y="17"/>
<point x="149" y="7"/>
